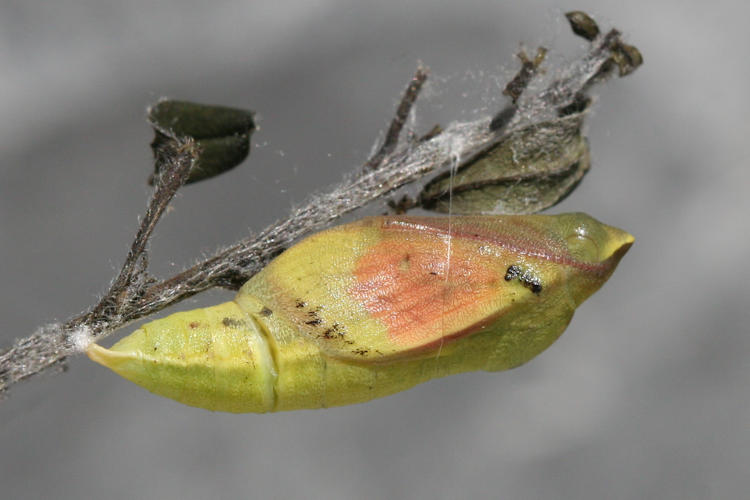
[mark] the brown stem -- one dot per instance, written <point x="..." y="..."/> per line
<point x="132" y="277"/>
<point x="402" y="114"/>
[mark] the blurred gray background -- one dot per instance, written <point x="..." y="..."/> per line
<point x="645" y="396"/>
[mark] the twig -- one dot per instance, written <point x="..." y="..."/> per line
<point x="402" y="114"/>
<point x="133" y="295"/>
<point x="132" y="277"/>
<point x="516" y="87"/>
<point x="529" y="68"/>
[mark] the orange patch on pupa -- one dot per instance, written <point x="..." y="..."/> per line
<point x="420" y="292"/>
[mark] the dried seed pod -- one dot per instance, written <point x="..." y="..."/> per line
<point x="375" y="307"/>
<point x="627" y="57"/>
<point x="582" y="24"/>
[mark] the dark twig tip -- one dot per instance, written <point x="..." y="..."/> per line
<point x="529" y="69"/>
<point x="399" y="120"/>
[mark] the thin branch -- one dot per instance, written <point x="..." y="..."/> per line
<point x="516" y="87"/>
<point x="529" y="68"/>
<point x="133" y="295"/>
<point x="402" y="114"/>
<point x="132" y="277"/>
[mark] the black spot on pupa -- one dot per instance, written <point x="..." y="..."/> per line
<point x="314" y="322"/>
<point x="526" y="277"/>
<point x="334" y="332"/>
<point x="299" y="303"/>
<point x="536" y="288"/>
<point x="265" y="312"/>
<point x="405" y="263"/>
<point x="513" y="271"/>
<point x="233" y="323"/>
<point x="360" y="351"/>
<point x="194" y="324"/>
<point x="531" y="281"/>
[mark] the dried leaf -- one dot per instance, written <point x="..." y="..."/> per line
<point x="532" y="169"/>
<point x="221" y="134"/>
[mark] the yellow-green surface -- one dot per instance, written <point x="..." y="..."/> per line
<point x="375" y="307"/>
